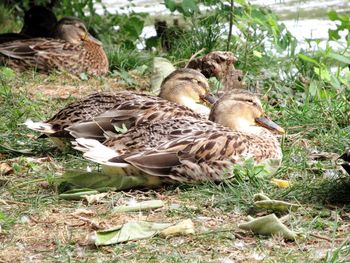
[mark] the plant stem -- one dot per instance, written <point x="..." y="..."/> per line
<point x="230" y="25"/>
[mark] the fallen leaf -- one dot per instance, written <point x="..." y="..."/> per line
<point x="99" y="181"/>
<point x="268" y="225"/>
<point x="94" y="198"/>
<point x="77" y="194"/>
<point x="83" y="211"/>
<point x="145" y="205"/>
<point x="127" y="232"/>
<point x="260" y="197"/>
<point x="276" y="205"/>
<point x="184" y="227"/>
<point x="5" y="169"/>
<point x="280" y="183"/>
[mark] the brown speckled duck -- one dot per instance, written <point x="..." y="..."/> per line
<point x="192" y="150"/>
<point x="183" y="93"/>
<point x="74" y="51"/>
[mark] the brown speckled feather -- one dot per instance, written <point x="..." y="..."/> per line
<point x="150" y="135"/>
<point x="46" y="54"/>
<point x="101" y="110"/>
<point x="205" y="155"/>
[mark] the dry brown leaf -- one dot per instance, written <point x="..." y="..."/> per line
<point x="5" y="169"/>
<point x="94" y="199"/>
<point x="82" y="211"/>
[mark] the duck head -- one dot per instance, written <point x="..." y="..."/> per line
<point x="74" y="31"/>
<point x="189" y="88"/>
<point x="242" y="111"/>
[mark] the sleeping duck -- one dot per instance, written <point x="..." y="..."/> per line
<point x="74" y="50"/>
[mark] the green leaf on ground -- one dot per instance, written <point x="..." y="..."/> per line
<point x="269" y="225"/>
<point x="129" y="231"/>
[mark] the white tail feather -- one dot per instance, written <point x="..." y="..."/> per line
<point x="39" y="126"/>
<point x="97" y="152"/>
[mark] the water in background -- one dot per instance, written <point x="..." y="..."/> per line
<point x="304" y="19"/>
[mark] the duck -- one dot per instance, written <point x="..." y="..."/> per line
<point x="192" y="150"/>
<point x="39" y="21"/>
<point x="74" y="50"/>
<point x="182" y="94"/>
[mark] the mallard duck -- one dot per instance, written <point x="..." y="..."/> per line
<point x="192" y="150"/>
<point x="99" y="112"/>
<point x="74" y="50"/>
<point x="39" y="21"/>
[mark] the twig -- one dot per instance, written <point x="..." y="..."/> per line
<point x="193" y="56"/>
<point x="7" y="202"/>
<point x="92" y="223"/>
<point x="321" y="237"/>
<point x="230" y="25"/>
<point x="216" y="231"/>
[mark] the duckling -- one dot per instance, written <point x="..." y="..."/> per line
<point x="99" y="112"/>
<point x="74" y="50"/>
<point x="192" y="150"/>
<point x="39" y="21"/>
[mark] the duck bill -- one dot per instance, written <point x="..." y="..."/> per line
<point x="209" y="98"/>
<point x="269" y="124"/>
<point x="88" y="37"/>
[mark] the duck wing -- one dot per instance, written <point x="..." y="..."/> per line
<point x="204" y="156"/>
<point x="77" y="112"/>
<point x="44" y="54"/>
<point x="142" y="109"/>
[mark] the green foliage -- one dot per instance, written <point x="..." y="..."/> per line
<point x="247" y="171"/>
<point x="120" y="57"/>
<point x="343" y="25"/>
<point x="8" y="21"/>
<point x="185" y="7"/>
<point x="6" y="221"/>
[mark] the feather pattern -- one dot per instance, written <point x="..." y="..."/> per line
<point x="99" y="112"/>
<point x="46" y="54"/>
<point x="210" y="154"/>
